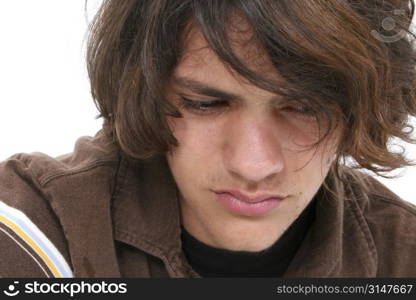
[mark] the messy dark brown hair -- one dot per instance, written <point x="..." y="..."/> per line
<point x="353" y="60"/>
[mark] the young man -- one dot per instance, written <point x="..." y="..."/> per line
<point x="227" y="127"/>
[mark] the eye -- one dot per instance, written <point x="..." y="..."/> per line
<point x="302" y="111"/>
<point x="203" y="107"/>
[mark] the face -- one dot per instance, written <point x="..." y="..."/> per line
<point x="244" y="166"/>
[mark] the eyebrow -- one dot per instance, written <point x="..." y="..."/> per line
<point x="205" y="89"/>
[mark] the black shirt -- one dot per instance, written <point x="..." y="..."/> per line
<point x="209" y="261"/>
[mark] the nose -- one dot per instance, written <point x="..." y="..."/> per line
<point x="252" y="150"/>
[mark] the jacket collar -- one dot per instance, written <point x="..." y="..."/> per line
<point x="146" y="212"/>
<point x="146" y="215"/>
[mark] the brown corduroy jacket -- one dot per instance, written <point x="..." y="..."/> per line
<point x="95" y="213"/>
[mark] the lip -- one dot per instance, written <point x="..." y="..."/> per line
<point x="251" y="198"/>
<point x="248" y="205"/>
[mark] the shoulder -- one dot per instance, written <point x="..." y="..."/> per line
<point x="392" y="223"/>
<point x="378" y="202"/>
<point x="34" y="193"/>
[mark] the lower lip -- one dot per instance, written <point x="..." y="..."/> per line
<point x="245" y="208"/>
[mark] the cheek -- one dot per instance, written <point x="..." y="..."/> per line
<point x="299" y="136"/>
<point x="177" y="126"/>
<point x="195" y="161"/>
<point x="309" y="164"/>
<point x="302" y="131"/>
<point x="306" y="173"/>
<point x="295" y="142"/>
<point x="195" y="138"/>
<point x="197" y="156"/>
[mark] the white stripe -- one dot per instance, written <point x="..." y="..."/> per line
<point x="35" y="233"/>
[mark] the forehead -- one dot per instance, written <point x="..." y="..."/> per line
<point x="197" y="56"/>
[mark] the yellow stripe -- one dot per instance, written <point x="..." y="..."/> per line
<point x="32" y="244"/>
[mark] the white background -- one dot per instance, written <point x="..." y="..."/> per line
<point x="45" y="104"/>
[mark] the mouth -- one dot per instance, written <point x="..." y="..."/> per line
<point x="243" y="204"/>
<point x="251" y="198"/>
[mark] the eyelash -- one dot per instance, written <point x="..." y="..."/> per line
<point x="210" y="107"/>
<point x="203" y="107"/>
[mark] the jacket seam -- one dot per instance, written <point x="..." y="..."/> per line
<point x="52" y="177"/>
<point x="364" y="231"/>
<point x="120" y="176"/>
<point x="48" y="203"/>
